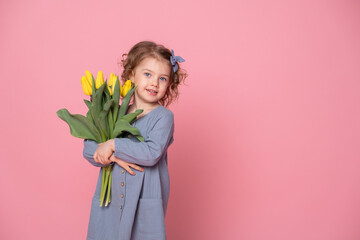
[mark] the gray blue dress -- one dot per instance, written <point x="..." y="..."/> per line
<point x="138" y="203"/>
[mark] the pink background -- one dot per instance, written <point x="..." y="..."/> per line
<point x="266" y="129"/>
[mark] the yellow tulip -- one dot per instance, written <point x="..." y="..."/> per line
<point x="125" y="88"/>
<point x="99" y="79"/>
<point x="111" y="83"/>
<point x="87" y="86"/>
<point x="89" y="76"/>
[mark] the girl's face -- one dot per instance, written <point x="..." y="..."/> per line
<point x="151" y="76"/>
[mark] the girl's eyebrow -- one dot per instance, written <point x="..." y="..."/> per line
<point x="152" y="72"/>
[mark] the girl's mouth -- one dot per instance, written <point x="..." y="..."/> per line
<point x="152" y="92"/>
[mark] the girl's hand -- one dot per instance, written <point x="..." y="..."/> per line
<point x="125" y="165"/>
<point x="103" y="153"/>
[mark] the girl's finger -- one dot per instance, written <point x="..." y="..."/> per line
<point x="115" y="160"/>
<point x="137" y="167"/>
<point x="120" y="163"/>
<point x="129" y="170"/>
<point x="95" y="157"/>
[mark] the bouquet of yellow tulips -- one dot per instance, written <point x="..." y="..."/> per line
<point x="105" y="119"/>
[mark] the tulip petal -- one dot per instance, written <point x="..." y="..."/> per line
<point x="85" y="85"/>
<point x="127" y="86"/>
<point x="89" y="76"/>
<point x="99" y="79"/>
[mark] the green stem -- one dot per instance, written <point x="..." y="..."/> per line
<point x="111" y="124"/>
<point x="108" y="195"/>
<point x="103" y="136"/>
<point x="102" y="191"/>
<point x="105" y="186"/>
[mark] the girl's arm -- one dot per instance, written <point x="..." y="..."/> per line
<point x="90" y="147"/>
<point x="149" y="152"/>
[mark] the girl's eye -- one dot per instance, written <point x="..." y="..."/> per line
<point x="164" y="79"/>
<point x="147" y="74"/>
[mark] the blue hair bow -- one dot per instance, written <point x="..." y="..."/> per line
<point x="174" y="59"/>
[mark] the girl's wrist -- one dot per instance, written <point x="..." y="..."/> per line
<point x="112" y="144"/>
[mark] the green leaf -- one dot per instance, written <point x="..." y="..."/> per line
<point x="140" y="138"/>
<point x="80" y="126"/>
<point x="89" y="116"/>
<point x="103" y="118"/>
<point x="93" y="87"/>
<point x="111" y="124"/>
<point x="96" y="103"/>
<point x="108" y="104"/>
<point x="124" y="126"/>
<point x="106" y="91"/>
<point x="116" y="97"/>
<point x="125" y="102"/>
<point x="96" y="108"/>
<point x="131" y="117"/>
<point x="120" y="123"/>
<point x="88" y="103"/>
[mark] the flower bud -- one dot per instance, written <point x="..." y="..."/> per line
<point x="86" y="85"/>
<point x="99" y="80"/>
<point x="126" y="88"/>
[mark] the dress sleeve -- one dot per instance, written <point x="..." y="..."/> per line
<point x="149" y="152"/>
<point x="90" y="147"/>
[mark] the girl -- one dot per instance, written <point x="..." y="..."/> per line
<point x="139" y="198"/>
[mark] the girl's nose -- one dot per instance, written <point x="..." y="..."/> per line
<point x="155" y="82"/>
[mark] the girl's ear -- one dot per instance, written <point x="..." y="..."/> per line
<point x="132" y="76"/>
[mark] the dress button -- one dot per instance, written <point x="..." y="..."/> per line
<point x="122" y="183"/>
<point x="122" y="171"/>
<point x="122" y="195"/>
